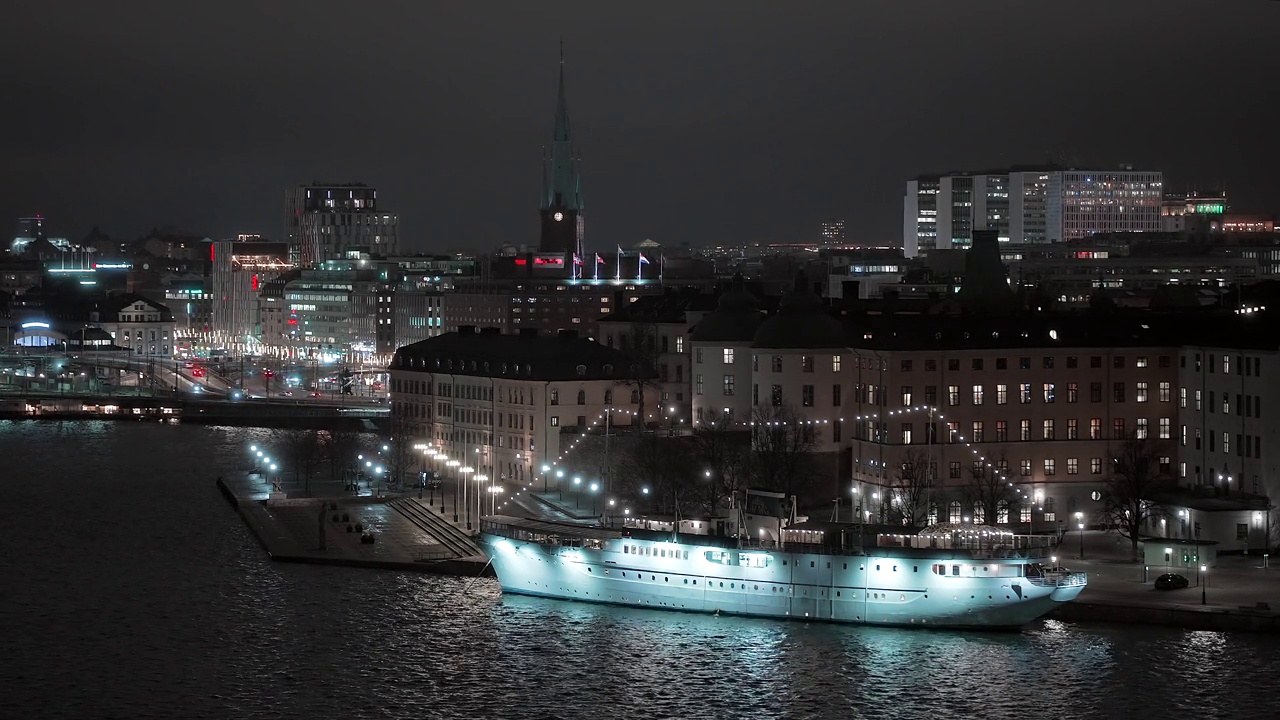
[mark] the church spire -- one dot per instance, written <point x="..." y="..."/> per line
<point x="561" y="211"/>
<point x="563" y="186"/>
<point x="562" y="106"/>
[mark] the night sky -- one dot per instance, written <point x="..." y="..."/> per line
<point x="698" y="122"/>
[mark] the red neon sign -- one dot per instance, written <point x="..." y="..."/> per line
<point x="521" y="261"/>
<point x="558" y="262"/>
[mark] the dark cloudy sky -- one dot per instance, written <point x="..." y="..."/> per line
<point x="700" y="122"/>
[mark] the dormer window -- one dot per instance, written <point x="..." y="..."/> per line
<point x="582" y="370"/>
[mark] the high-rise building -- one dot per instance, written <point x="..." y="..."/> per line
<point x="331" y="222"/>
<point x="1028" y="205"/>
<point x="238" y="272"/>
<point x="561" y="207"/>
<point x="833" y="232"/>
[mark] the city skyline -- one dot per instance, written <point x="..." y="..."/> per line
<point x="753" y="126"/>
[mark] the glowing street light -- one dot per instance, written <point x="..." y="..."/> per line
<point x="1204" y="570"/>
<point x="1080" y="525"/>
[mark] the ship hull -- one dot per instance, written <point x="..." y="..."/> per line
<point x="874" y="589"/>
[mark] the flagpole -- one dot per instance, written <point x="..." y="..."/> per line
<point x="617" y="267"/>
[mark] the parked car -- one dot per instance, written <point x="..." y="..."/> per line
<point x="1171" y="581"/>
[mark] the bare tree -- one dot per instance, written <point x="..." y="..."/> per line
<point x="1135" y="477"/>
<point x="721" y="455"/>
<point x="661" y="475"/>
<point x="780" y="450"/>
<point x="339" y="451"/>
<point x="399" y="451"/>
<point x="990" y="491"/>
<point x="304" y="453"/>
<point x="641" y="343"/>
<point x="909" y="490"/>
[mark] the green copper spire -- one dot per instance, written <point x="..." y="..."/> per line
<point x="563" y="185"/>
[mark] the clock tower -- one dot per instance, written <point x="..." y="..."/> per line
<point x="561" y="206"/>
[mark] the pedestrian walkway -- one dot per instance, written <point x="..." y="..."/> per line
<point x="337" y="531"/>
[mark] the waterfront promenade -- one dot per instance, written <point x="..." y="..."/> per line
<point x="406" y="533"/>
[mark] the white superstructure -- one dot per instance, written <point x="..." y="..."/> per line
<point x="951" y="578"/>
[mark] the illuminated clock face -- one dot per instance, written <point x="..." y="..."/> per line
<point x="558" y="216"/>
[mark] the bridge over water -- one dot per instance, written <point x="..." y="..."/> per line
<point x="191" y="408"/>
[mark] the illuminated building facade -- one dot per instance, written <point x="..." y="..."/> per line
<point x="333" y="222"/>
<point x="238" y="272"/>
<point x="1028" y="205"/>
<point x="498" y="403"/>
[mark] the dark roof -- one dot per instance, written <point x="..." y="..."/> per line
<point x="802" y="321"/>
<point x="1082" y="329"/>
<point x="665" y="308"/>
<point x="488" y="353"/>
<point x="736" y="318"/>
<point x="116" y="303"/>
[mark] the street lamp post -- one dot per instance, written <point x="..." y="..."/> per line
<point x="1204" y="571"/>
<point x="594" y="488"/>
<point x="1080" y="525"/>
<point x="465" y="472"/>
<point x="454" y="464"/>
<point x="546" y="469"/>
<point x="577" y="490"/>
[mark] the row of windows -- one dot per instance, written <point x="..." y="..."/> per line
<point x="807" y="362"/>
<point x="1048" y="393"/>
<point x="1047" y="362"/>
<point x="1246" y="405"/>
<point x="1045" y="430"/>
<point x="1249" y="446"/>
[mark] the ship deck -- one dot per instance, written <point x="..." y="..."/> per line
<point x="550" y="532"/>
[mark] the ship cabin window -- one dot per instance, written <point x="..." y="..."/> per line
<point x="846" y="565"/>
<point x="877" y="567"/>
<point x="955" y="570"/>
<point x="915" y="568"/>
<point x="939" y="569"/>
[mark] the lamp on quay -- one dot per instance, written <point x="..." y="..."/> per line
<point x="1080" y="525"/>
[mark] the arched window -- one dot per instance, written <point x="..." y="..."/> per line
<point x="979" y="513"/>
<point x="582" y="397"/>
<point x="608" y="397"/>
<point x="608" y="369"/>
<point x="954" y="511"/>
<point x="1002" y="512"/>
<point x="582" y="370"/>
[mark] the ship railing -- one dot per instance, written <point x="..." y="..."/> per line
<point x="1059" y="579"/>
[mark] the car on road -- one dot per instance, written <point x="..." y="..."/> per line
<point x="1171" y="581"/>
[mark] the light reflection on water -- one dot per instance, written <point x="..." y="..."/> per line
<point x="132" y="590"/>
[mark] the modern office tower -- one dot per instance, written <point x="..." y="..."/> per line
<point x="833" y="232"/>
<point x="1028" y="205"/>
<point x="238" y="272"/>
<point x="335" y="222"/>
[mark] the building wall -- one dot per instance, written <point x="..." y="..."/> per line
<point x="1227" y="401"/>
<point x="142" y="327"/>
<point x="673" y="403"/>
<point x="516" y="425"/>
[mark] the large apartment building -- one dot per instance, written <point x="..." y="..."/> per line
<point x="1028" y="205"/>
<point x="1044" y="402"/>
<point x="499" y="403"/>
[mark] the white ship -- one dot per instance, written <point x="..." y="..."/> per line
<point x="953" y="576"/>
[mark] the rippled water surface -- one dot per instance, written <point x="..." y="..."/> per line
<point x="132" y="590"/>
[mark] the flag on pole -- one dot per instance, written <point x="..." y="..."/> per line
<point x="643" y="260"/>
<point x="599" y="260"/>
<point x="577" y="260"/>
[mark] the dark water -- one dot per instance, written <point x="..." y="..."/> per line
<point x="131" y="590"/>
